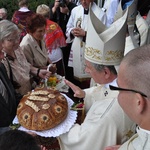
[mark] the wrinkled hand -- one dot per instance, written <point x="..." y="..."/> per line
<point x="115" y="147"/>
<point x="79" y="32"/>
<point x="77" y="91"/>
<point x="44" y="74"/>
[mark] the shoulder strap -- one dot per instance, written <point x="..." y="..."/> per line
<point x="14" y="83"/>
<point x="10" y="70"/>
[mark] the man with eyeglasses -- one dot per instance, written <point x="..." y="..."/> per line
<point x="105" y="121"/>
<point x="134" y="96"/>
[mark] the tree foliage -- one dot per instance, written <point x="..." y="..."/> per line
<point x="12" y="5"/>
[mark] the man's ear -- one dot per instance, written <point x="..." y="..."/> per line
<point x="139" y="102"/>
<point x="107" y="72"/>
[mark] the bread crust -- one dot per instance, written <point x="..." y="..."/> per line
<point x="42" y="109"/>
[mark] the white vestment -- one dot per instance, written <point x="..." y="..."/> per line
<point x="140" y="141"/>
<point x="110" y="7"/>
<point x="79" y="19"/>
<point x="105" y="123"/>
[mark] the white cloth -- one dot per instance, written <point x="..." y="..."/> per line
<point x="55" y="55"/>
<point x="143" y="28"/>
<point x="110" y="7"/>
<point x="128" y="45"/>
<point x="105" y="123"/>
<point x="140" y="141"/>
<point x="143" y="130"/>
<point x="24" y="9"/>
<point x="79" y="19"/>
<point x="77" y="15"/>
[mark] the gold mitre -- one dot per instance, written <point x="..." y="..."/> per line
<point x="105" y="45"/>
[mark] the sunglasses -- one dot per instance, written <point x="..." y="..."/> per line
<point x="122" y="89"/>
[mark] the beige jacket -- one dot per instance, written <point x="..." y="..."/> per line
<point x="35" y="55"/>
<point x="21" y="71"/>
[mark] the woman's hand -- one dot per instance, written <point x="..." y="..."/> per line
<point x="77" y="91"/>
<point x="44" y="74"/>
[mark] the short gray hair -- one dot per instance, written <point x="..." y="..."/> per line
<point x="6" y="28"/>
<point x="100" y="67"/>
<point x="43" y="10"/>
<point x="3" y="13"/>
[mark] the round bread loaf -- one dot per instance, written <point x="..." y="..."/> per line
<point x="42" y="109"/>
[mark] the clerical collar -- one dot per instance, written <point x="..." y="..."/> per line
<point x="114" y="83"/>
<point x="147" y="131"/>
<point x="86" y="11"/>
<point x="24" y="9"/>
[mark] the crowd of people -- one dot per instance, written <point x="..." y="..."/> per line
<point x="103" y="54"/>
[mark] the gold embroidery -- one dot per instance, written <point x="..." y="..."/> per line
<point x="129" y="133"/>
<point x="81" y="44"/>
<point x="108" y="56"/>
<point x="93" y="53"/>
<point x="114" y="55"/>
<point x="53" y="27"/>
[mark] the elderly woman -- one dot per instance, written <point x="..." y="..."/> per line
<point x="9" y="103"/>
<point x="54" y="39"/>
<point x="18" y="69"/>
<point x="33" y="44"/>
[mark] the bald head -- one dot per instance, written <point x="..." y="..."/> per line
<point x="135" y="68"/>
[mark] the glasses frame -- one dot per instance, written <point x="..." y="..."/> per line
<point x="12" y="39"/>
<point x="123" y="89"/>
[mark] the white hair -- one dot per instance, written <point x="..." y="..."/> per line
<point x="7" y="28"/>
<point x="3" y="13"/>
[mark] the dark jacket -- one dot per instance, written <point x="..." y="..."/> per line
<point x="60" y="18"/>
<point x="7" y="110"/>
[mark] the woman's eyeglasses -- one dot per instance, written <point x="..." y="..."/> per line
<point x="12" y="39"/>
<point x="123" y="89"/>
